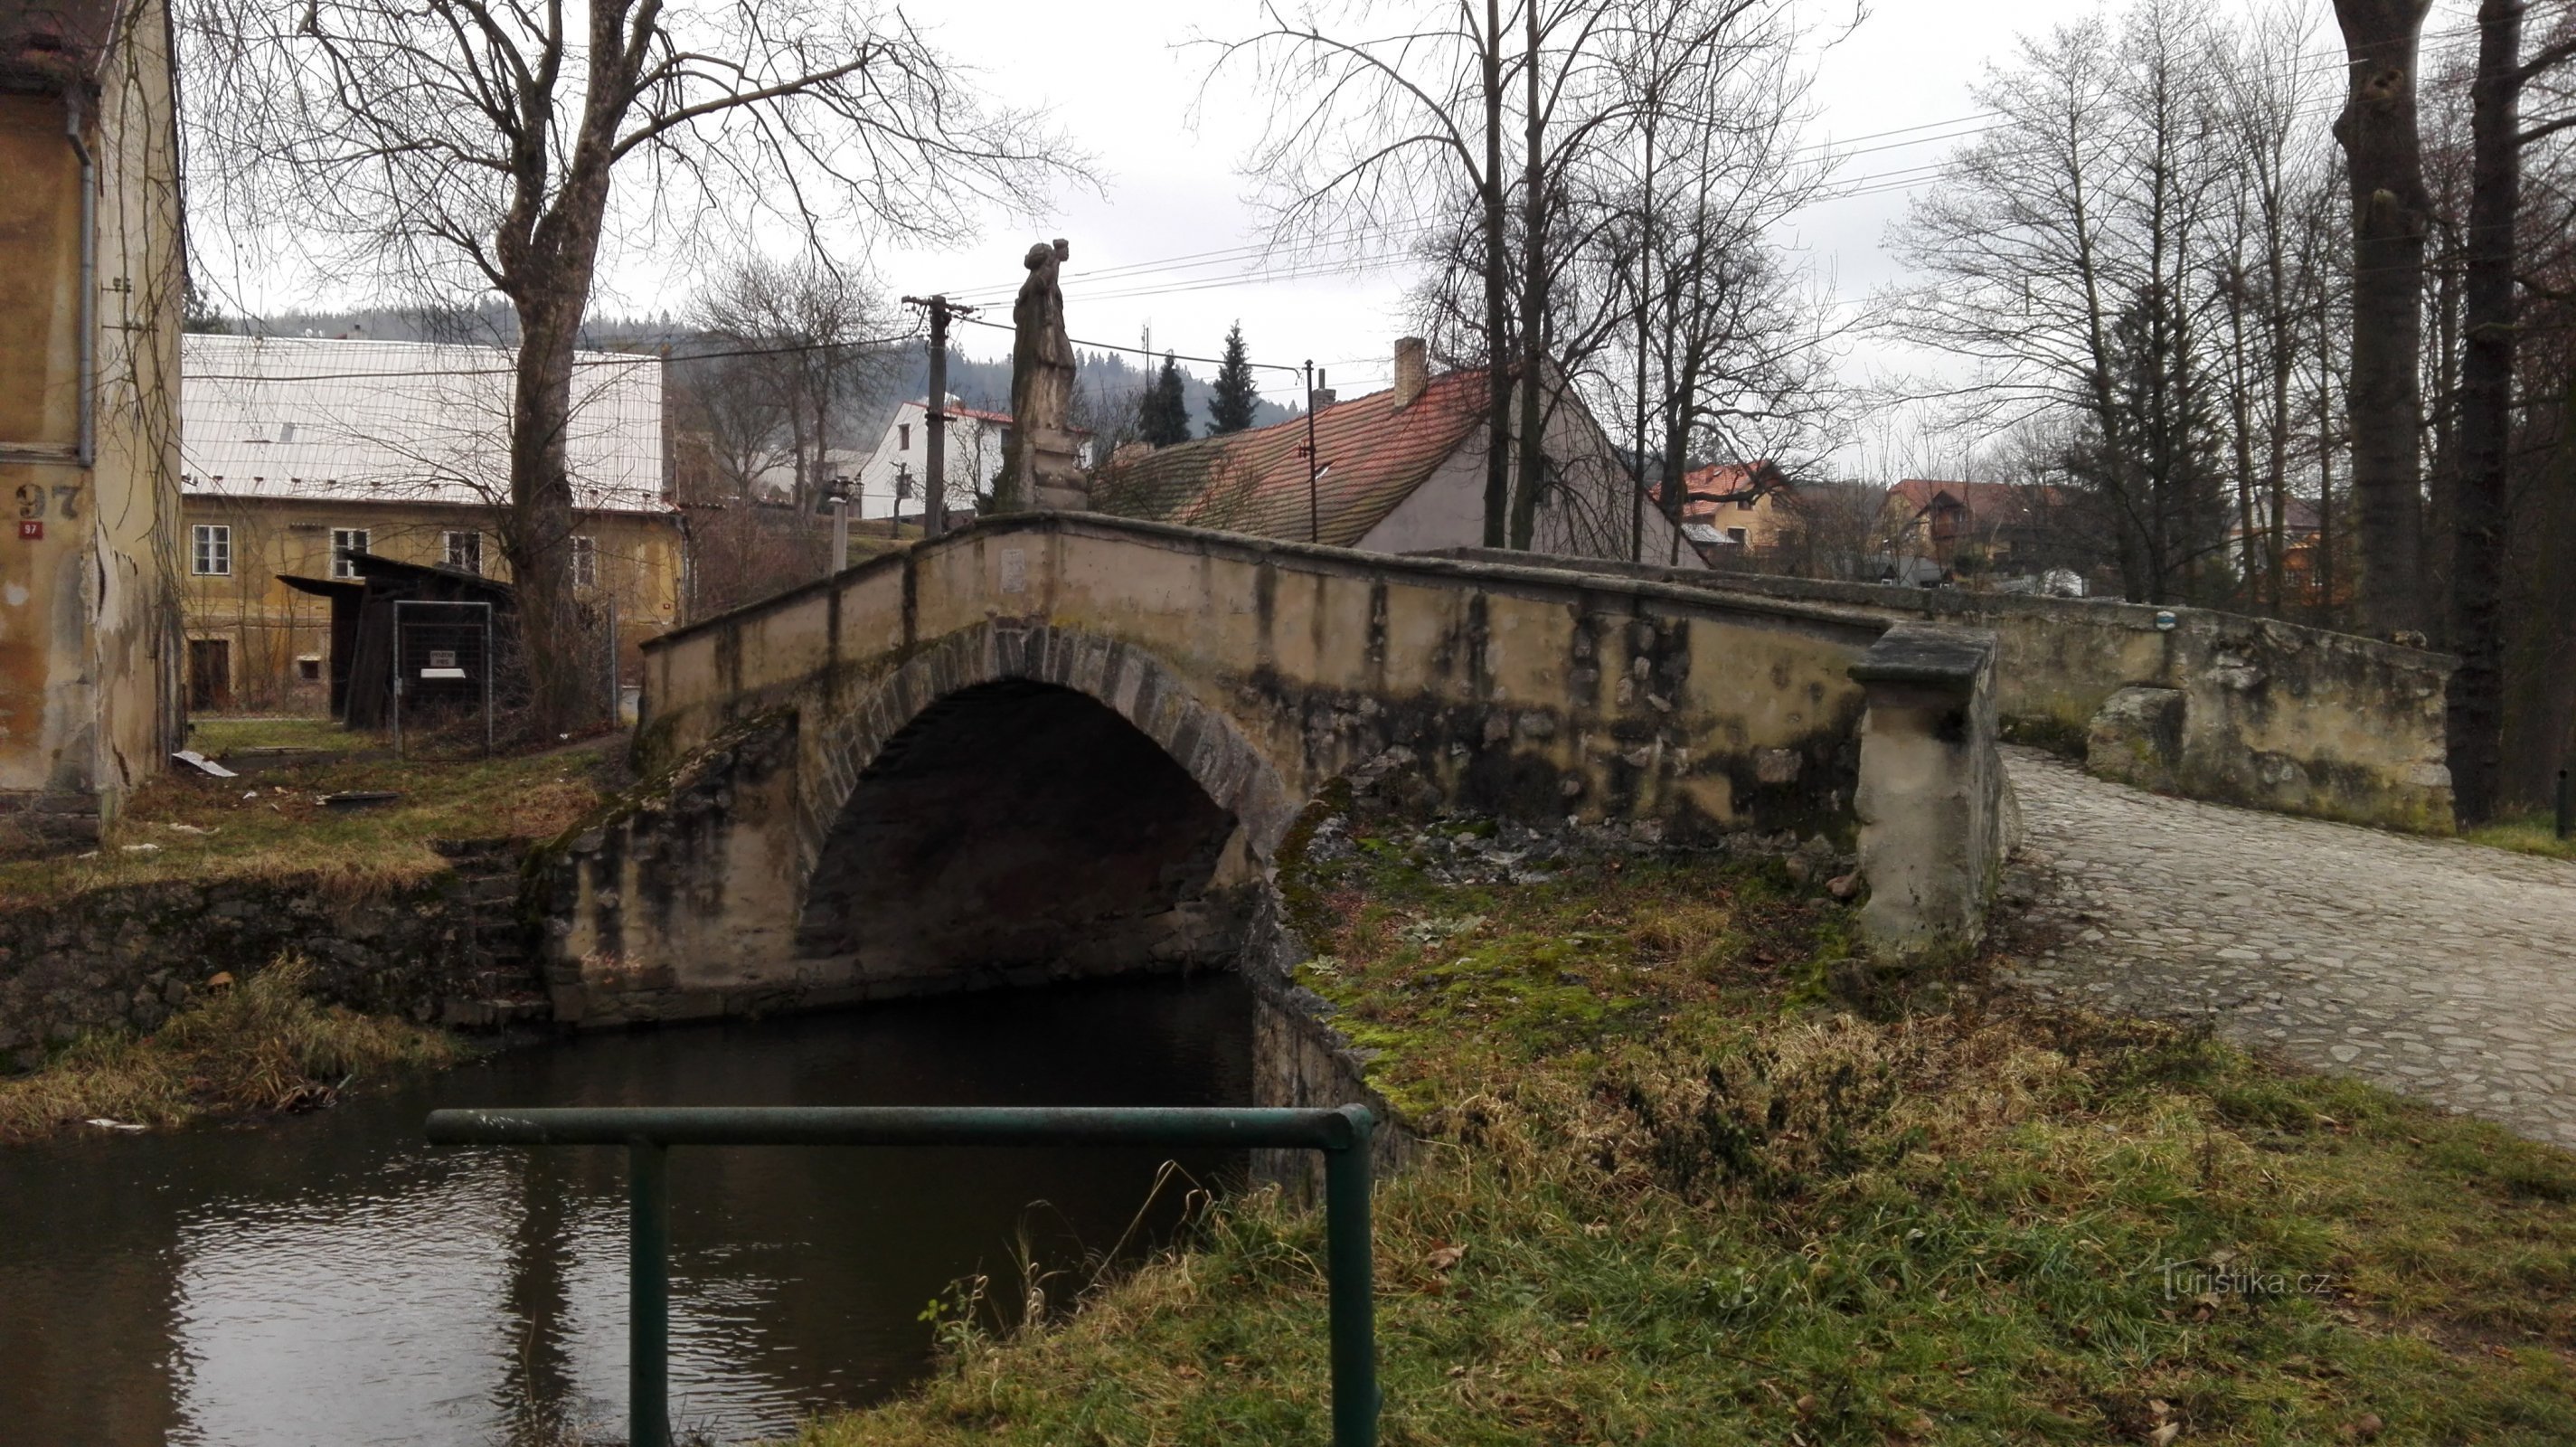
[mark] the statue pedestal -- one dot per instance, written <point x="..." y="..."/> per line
<point x="1054" y="471"/>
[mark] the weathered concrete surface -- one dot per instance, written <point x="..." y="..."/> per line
<point x="1932" y="798"/>
<point x="2275" y="715"/>
<point x="1151" y="707"/>
<point x="2435" y="968"/>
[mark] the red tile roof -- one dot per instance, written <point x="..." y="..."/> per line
<point x="1994" y="501"/>
<point x="1254" y="481"/>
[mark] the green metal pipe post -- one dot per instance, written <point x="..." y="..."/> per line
<point x="648" y="1133"/>
<point x="648" y="1293"/>
<point x="1351" y="1274"/>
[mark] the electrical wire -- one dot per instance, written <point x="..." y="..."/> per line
<point x="1137" y="351"/>
<point x="611" y="359"/>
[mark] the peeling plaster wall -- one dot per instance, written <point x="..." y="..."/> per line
<point x="88" y="661"/>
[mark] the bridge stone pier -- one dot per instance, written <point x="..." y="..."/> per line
<point x="1058" y="744"/>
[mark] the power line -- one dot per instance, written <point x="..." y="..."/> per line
<point x="612" y="359"/>
<point x="1136" y="351"/>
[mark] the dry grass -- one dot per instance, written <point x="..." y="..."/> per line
<point x="260" y="1046"/>
<point x="271" y="825"/>
<point x="215" y="735"/>
<point x="2525" y="834"/>
<point x="1706" y="1203"/>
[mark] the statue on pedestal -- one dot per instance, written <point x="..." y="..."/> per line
<point x="1044" y="469"/>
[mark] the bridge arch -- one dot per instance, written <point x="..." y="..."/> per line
<point x="1030" y="799"/>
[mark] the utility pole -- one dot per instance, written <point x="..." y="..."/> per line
<point x="1314" y="511"/>
<point x="934" y="493"/>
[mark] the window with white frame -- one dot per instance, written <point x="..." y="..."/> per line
<point x="585" y="562"/>
<point x="346" y="542"/>
<point x="210" y="550"/>
<point x="465" y="551"/>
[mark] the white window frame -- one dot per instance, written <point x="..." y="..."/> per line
<point x="345" y="541"/>
<point x="585" y="561"/>
<point x="473" y="550"/>
<point x="210" y="550"/>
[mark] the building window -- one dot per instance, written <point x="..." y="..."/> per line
<point x="903" y="437"/>
<point x="210" y="550"/>
<point x="1735" y="536"/>
<point x="309" y="668"/>
<point x="585" y="562"/>
<point x="465" y="551"/>
<point x="345" y="544"/>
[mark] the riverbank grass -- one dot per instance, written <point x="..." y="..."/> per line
<point x="260" y="1046"/>
<point x="273" y="824"/>
<point x="1681" y="1188"/>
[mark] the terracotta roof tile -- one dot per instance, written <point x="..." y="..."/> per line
<point x="1254" y="481"/>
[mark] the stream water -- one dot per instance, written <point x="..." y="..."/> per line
<point x="328" y="1280"/>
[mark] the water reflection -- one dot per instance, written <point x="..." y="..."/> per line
<point x="329" y="1280"/>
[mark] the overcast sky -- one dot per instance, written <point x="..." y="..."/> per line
<point x="1121" y="81"/>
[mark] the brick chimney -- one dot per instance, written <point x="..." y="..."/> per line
<point x="1412" y="370"/>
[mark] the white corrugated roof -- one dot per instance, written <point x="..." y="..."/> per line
<point x="365" y="421"/>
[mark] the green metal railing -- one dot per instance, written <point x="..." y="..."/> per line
<point x="648" y="1134"/>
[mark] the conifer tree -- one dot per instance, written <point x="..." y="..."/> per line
<point x="1162" y="418"/>
<point x="1230" y="408"/>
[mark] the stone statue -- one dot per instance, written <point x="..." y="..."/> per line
<point x="1044" y="468"/>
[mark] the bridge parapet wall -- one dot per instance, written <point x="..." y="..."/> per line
<point x="1517" y="689"/>
<point x="2219" y="706"/>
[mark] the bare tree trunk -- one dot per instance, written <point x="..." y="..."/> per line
<point x="537" y="528"/>
<point x="2240" y="408"/>
<point x="1531" y="464"/>
<point x="1498" y="391"/>
<point x="2385" y="160"/>
<point x="2486" y="415"/>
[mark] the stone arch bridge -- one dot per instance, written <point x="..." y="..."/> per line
<point x="1058" y="743"/>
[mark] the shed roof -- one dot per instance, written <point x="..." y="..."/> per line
<point x="1374" y="452"/>
<point x="370" y="421"/>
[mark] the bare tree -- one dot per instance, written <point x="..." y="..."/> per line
<point x="2122" y="248"/>
<point x="1390" y="123"/>
<point x="458" y="146"/>
<point x="804" y="331"/>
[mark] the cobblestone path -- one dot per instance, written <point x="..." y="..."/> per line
<point x="2444" y="970"/>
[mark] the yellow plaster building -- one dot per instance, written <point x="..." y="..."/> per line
<point x="90" y="291"/>
<point x="301" y="452"/>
